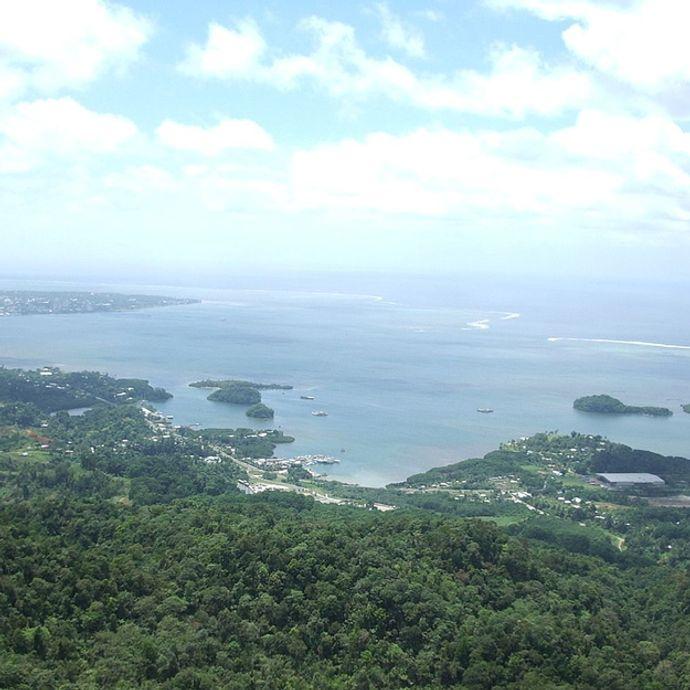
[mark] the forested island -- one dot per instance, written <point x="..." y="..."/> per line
<point x="229" y="383"/>
<point x="131" y="559"/>
<point x="606" y="404"/>
<point x="261" y="411"/>
<point x="237" y="394"/>
<point x="25" y="302"/>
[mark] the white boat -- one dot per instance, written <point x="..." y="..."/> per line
<point x="484" y="410"/>
<point x="319" y="413"/>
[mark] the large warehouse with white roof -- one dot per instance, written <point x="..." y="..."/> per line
<point x="622" y="480"/>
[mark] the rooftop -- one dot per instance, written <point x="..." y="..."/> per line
<point x="630" y="478"/>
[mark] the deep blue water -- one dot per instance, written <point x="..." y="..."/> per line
<point x="394" y="362"/>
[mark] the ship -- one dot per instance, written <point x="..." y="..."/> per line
<point x="319" y="413"/>
<point x="484" y="410"/>
<point x="307" y="397"/>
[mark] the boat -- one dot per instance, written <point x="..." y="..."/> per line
<point x="319" y="413"/>
<point x="484" y="410"/>
<point x="307" y="397"/>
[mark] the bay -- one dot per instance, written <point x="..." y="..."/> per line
<point x="400" y="364"/>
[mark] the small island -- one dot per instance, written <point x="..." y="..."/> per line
<point x="606" y="404"/>
<point x="229" y="383"/>
<point x="240" y="392"/>
<point x="28" y="302"/>
<point x="686" y="408"/>
<point x="260" y="411"/>
<point x="237" y="394"/>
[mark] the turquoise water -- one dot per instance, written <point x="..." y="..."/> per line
<point x="401" y="366"/>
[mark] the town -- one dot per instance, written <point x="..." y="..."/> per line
<point x="28" y="302"/>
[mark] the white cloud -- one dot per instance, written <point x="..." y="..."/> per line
<point x="643" y="43"/>
<point x="652" y="155"/>
<point x="606" y="172"/>
<point x="399" y="35"/>
<point x="441" y="172"/>
<point x="623" y="138"/>
<point x="11" y="82"/>
<point x="32" y="131"/>
<point x="236" y="188"/>
<point x="227" y="52"/>
<point x="210" y="185"/>
<point x="142" y="179"/>
<point x="518" y="83"/>
<point x="53" y="45"/>
<point x="213" y="141"/>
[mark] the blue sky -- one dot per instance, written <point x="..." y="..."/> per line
<point x="526" y="136"/>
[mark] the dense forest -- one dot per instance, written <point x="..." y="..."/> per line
<point x="277" y="592"/>
<point x="128" y="559"/>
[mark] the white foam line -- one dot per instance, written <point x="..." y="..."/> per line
<point x="608" y="341"/>
<point x="481" y="325"/>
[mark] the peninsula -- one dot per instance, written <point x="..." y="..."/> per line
<point x="50" y="389"/>
<point x="606" y="404"/>
<point x="27" y="302"/>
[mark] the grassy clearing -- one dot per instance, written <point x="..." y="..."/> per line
<point x="504" y="520"/>
<point x="32" y="455"/>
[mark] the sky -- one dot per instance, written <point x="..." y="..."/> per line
<point x="179" y="139"/>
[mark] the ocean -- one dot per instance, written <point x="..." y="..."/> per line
<point x="400" y="364"/>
